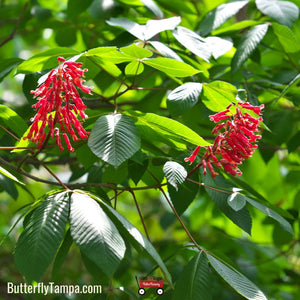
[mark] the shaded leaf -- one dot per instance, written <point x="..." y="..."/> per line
<point x="175" y="173"/>
<point x="42" y="235"/>
<point x="114" y="138"/>
<point x="95" y="234"/>
<point x="248" y="44"/>
<point x="134" y="236"/>
<point x="10" y="176"/>
<point x="10" y="119"/>
<point x="219" y="192"/>
<point x="171" y="67"/>
<point x="272" y="214"/>
<point x="8" y="186"/>
<point x="220" y="15"/>
<point x="185" y="194"/>
<point x="284" y="12"/>
<point x="236" y="279"/>
<point x="194" y="281"/>
<point x="62" y="253"/>
<point x="184" y="97"/>
<point x="7" y="65"/>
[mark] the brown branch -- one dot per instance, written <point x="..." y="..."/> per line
<point x="140" y="214"/>
<point x="11" y="36"/>
<point x="175" y="212"/>
<point x="10" y="133"/>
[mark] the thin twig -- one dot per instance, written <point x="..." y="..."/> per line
<point x="11" y="36"/>
<point x="140" y="214"/>
<point x="10" y="133"/>
<point x="209" y="187"/>
<point x="175" y="212"/>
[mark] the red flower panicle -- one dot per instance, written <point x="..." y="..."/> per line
<point x="235" y="141"/>
<point x="58" y="105"/>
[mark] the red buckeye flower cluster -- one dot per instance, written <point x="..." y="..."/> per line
<point x="235" y="141"/>
<point x="58" y="106"/>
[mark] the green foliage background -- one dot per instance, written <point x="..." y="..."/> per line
<point x="164" y="78"/>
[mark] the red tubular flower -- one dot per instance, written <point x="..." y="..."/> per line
<point x="193" y="156"/>
<point x="59" y="103"/>
<point x="236" y="139"/>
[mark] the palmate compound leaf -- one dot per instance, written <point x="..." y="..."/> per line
<point x="175" y="173"/>
<point x="236" y="279"/>
<point x="184" y="97"/>
<point x="95" y="234"/>
<point x="220" y="15"/>
<point x="42" y="235"/>
<point x="114" y="138"/>
<point x="284" y="12"/>
<point x="194" y="281"/>
<point x="248" y="44"/>
<point x="134" y="236"/>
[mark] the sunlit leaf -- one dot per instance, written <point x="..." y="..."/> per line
<point x="175" y="173"/>
<point x="284" y="12"/>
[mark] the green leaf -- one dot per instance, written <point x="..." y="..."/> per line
<point x="134" y="236"/>
<point x="284" y="12"/>
<point x="95" y="234"/>
<point x="194" y="280"/>
<point x="185" y="194"/>
<point x="237" y="280"/>
<point x="272" y="214"/>
<point x="10" y="176"/>
<point x="62" y="253"/>
<point x="218" y="189"/>
<point x="168" y="128"/>
<point x="76" y="7"/>
<point x="291" y="83"/>
<point x="110" y="55"/>
<point x="151" y="5"/>
<point x="136" y="52"/>
<point x="42" y="235"/>
<point x="217" y="95"/>
<point x="175" y="173"/>
<point x="45" y="60"/>
<point x="236" y="201"/>
<point x="171" y="67"/>
<point x="248" y="44"/>
<point x="165" y="50"/>
<point x="218" y="46"/>
<point x="66" y="36"/>
<point x="136" y="170"/>
<point x="145" y="32"/>
<point x="134" y="68"/>
<point x="6" y="65"/>
<point x="193" y="42"/>
<point x="8" y="186"/>
<point x="114" y="138"/>
<point x="220" y="15"/>
<point x="10" y="119"/>
<point x="184" y="97"/>
<point x="287" y="38"/>
<point x="235" y="27"/>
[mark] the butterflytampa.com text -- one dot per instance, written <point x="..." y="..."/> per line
<point x="52" y="288"/>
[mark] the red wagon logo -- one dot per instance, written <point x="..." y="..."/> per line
<point x="157" y="283"/>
